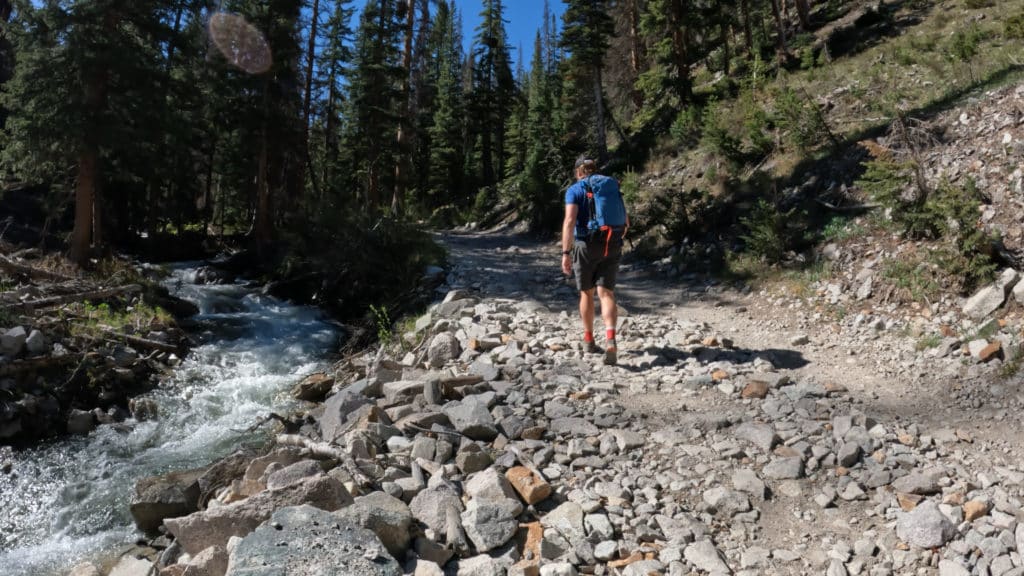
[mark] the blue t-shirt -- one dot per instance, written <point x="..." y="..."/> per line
<point x="577" y="194"/>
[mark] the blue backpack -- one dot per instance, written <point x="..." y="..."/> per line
<point x="607" y="209"/>
<point x="605" y="200"/>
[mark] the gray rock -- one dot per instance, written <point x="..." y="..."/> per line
<point x="85" y="569"/>
<point x="573" y="427"/>
<point x="925" y="526"/>
<point x="705" y="556"/>
<point x="761" y="435"/>
<point x="989" y="299"/>
<point x="303" y="541"/>
<point x="293" y="474"/>
<point x="387" y="517"/>
<point x="952" y="568"/>
<point x="490" y="523"/>
<point x="472" y="459"/>
<point x="644" y="568"/>
<point x="747" y="481"/>
<point x="484" y="369"/>
<point x="923" y="483"/>
<point x="490" y="484"/>
<point x="849" y="455"/>
<point x="443" y="348"/>
<point x="210" y="562"/>
<point x="12" y="341"/>
<point x="215" y="525"/>
<point x="430" y="507"/>
<point x="167" y="496"/>
<point x="568" y="520"/>
<point x="472" y="419"/>
<point x="598" y="526"/>
<point x="36" y="343"/>
<point x="337" y="409"/>
<point x="558" y="569"/>
<point x="482" y="565"/>
<point x="836" y="568"/>
<point x="81" y="422"/>
<point x="784" y="469"/>
<point x="607" y="550"/>
<point x="727" y="502"/>
<point x="132" y="566"/>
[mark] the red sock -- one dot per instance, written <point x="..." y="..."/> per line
<point x="609" y="334"/>
<point x="588" y="336"/>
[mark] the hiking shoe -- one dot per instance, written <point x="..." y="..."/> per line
<point x="591" y="347"/>
<point x="611" y="353"/>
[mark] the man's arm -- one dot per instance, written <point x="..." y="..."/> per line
<point x="568" y="224"/>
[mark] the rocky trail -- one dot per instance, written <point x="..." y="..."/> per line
<point x="741" y="433"/>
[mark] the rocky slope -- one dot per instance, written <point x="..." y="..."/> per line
<point x="495" y="446"/>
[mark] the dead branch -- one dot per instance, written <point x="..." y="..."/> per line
<point x="80" y="296"/>
<point x="12" y="266"/>
<point x="325" y="450"/>
<point x="138" y="342"/>
<point x="42" y="363"/>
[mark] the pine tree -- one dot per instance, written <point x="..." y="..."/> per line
<point x="446" y="150"/>
<point x="81" y="96"/>
<point x="586" y="34"/>
<point x="374" y="100"/>
<point x="667" y="28"/>
<point x="332" y="60"/>
<point x="494" y="89"/>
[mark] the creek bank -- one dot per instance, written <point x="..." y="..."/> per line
<point x="75" y="350"/>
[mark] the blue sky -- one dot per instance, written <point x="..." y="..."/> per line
<point x="522" y="19"/>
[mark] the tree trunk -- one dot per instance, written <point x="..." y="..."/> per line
<point x="405" y="120"/>
<point x="81" y="235"/>
<point x="726" y="52"/>
<point x="680" y="49"/>
<point x="307" y="105"/>
<point x="262" y="223"/>
<point x="803" y="9"/>
<point x="636" y="50"/>
<point x="748" y="33"/>
<point x="600" y="131"/>
<point x="780" y="25"/>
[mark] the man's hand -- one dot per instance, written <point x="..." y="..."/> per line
<point x="566" y="265"/>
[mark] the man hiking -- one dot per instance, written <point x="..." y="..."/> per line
<point x="592" y="234"/>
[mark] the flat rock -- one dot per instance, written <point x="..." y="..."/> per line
<point x="166" y="496"/>
<point x="925" y="526"/>
<point x="306" y="541"/>
<point x="705" y="556"/>
<point x="490" y="523"/>
<point x="573" y="427"/>
<point x="431" y="507"/>
<point x="472" y="419"/>
<point x="386" y="516"/>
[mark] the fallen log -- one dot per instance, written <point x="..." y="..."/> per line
<point x="12" y="266"/>
<point x="138" y="342"/>
<point x="31" y="364"/>
<point x="80" y="296"/>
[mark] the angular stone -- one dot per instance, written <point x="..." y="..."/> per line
<point x="132" y="566"/>
<point x="568" y="520"/>
<point x="490" y="523"/>
<point x="293" y="474"/>
<point x="706" y="557"/>
<point x="443" y="348"/>
<point x="210" y="562"/>
<point x="482" y="565"/>
<point x="215" y="525"/>
<point x="975" y="509"/>
<point x="784" y="469"/>
<point x="306" y="540"/>
<point x="761" y="435"/>
<point x="489" y="484"/>
<point x="989" y="299"/>
<point x="386" y="516"/>
<point x="921" y="483"/>
<point x="952" y="568"/>
<point x="36" y="343"/>
<point x="472" y="419"/>
<point x="849" y="455"/>
<point x="573" y="427"/>
<point x="755" y="389"/>
<point x="85" y="569"/>
<point x="81" y="422"/>
<point x="727" y="502"/>
<point x="531" y="488"/>
<point x="337" y="409"/>
<point x="925" y="526"/>
<point x="12" y="341"/>
<point x="747" y="481"/>
<point x="167" y="496"/>
<point x="313" y="388"/>
<point x="431" y="507"/>
<point x="472" y="459"/>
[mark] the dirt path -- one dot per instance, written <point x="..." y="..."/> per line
<point x="873" y="369"/>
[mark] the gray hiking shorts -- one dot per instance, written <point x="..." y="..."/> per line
<point x="596" y="263"/>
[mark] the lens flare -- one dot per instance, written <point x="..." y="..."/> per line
<point x="240" y="43"/>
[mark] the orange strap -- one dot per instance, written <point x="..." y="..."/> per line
<point x="607" y="239"/>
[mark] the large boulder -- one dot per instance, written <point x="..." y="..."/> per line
<point x="317" y="543"/>
<point x="12" y="341"/>
<point x="167" y="496"/>
<point x="443" y="347"/>
<point x="386" y="516"/>
<point x="338" y="408"/>
<point x="989" y="299"/>
<point x="214" y="526"/>
<point x="925" y="526"/>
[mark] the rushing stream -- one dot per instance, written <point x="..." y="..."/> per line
<point x="68" y="500"/>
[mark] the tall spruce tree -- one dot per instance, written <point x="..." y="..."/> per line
<point x="586" y="34"/>
<point x="494" y="89"/>
<point x="374" y="100"/>
<point x="667" y="26"/>
<point x="446" y="140"/>
<point x="332" y="60"/>
<point x="80" y="101"/>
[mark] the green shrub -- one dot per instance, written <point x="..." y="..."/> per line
<point x="802" y="120"/>
<point x="685" y="128"/>
<point x="1014" y="27"/>
<point x="756" y="124"/>
<point x="716" y="136"/>
<point x="630" y="186"/>
<point x="768" y="232"/>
